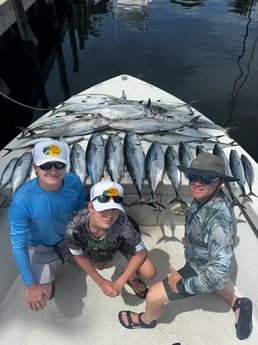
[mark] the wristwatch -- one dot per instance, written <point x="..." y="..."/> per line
<point x="180" y="286"/>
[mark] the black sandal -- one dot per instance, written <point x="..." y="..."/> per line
<point x="244" y="325"/>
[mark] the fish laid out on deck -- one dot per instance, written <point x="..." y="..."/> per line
<point x="136" y="134"/>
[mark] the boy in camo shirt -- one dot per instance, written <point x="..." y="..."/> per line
<point x="102" y="229"/>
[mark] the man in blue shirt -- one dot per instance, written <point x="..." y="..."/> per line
<point x="209" y="241"/>
<point x="39" y="213"/>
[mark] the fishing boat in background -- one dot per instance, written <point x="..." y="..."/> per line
<point x="113" y="115"/>
<point x="133" y="12"/>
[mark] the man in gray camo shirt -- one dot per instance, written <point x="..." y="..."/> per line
<point x="102" y="229"/>
<point x="210" y="233"/>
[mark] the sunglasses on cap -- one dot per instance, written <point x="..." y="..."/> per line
<point x="105" y="198"/>
<point x="49" y="165"/>
<point x="203" y="178"/>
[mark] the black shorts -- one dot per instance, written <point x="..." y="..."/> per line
<point x="186" y="272"/>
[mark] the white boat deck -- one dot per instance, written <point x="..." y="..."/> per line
<point x="81" y="314"/>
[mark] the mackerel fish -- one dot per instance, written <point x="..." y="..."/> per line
<point x="238" y="172"/>
<point x="78" y="162"/>
<point x="7" y="172"/>
<point x="21" y="171"/>
<point x="154" y="169"/>
<point x="218" y="150"/>
<point x="78" y="127"/>
<point x="185" y="154"/>
<point x="174" y="174"/>
<point x="249" y="173"/>
<point x="114" y="157"/>
<point x="147" y="125"/>
<point x="134" y="159"/>
<point x="95" y="157"/>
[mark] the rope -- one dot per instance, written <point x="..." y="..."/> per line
<point x="23" y="105"/>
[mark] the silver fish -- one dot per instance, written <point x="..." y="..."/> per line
<point x="200" y="149"/>
<point x="78" y="127"/>
<point x="193" y="132"/>
<point x="134" y="159"/>
<point x="7" y="172"/>
<point x="95" y="157"/>
<point x="249" y="173"/>
<point x="154" y="168"/>
<point x="114" y="157"/>
<point x="185" y="154"/>
<point x="173" y="138"/>
<point x="78" y="162"/>
<point x="218" y="150"/>
<point x="147" y="125"/>
<point x="21" y="171"/>
<point x="122" y="111"/>
<point x="53" y="123"/>
<point x="29" y="143"/>
<point x="174" y="174"/>
<point x="238" y="171"/>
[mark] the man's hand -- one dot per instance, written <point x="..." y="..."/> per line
<point x="37" y="296"/>
<point x="173" y="278"/>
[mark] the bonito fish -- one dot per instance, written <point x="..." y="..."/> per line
<point x="21" y="171"/>
<point x="7" y="172"/>
<point x="238" y="171"/>
<point x="249" y="173"/>
<point x="174" y="174"/>
<point x="154" y="168"/>
<point x="185" y="154"/>
<point x="114" y="157"/>
<point x="78" y="161"/>
<point x="95" y="157"/>
<point x="147" y="125"/>
<point x="78" y="127"/>
<point x="134" y="159"/>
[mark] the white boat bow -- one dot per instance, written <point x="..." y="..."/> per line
<point x="80" y="314"/>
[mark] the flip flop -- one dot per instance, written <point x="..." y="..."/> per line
<point x="134" y="325"/>
<point x="244" y="325"/>
<point x="136" y="287"/>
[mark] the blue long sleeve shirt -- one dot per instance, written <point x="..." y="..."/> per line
<point x="40" y="217"/>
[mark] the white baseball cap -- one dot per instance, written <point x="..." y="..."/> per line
<point x="49" y="151"/>
<point x="103" y="195"/>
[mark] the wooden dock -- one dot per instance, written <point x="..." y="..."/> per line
<point x="7" y="13"/>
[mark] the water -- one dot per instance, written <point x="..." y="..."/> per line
<point x="202" y="51"/>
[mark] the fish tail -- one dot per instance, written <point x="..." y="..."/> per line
<point x="178" y="199"/>
<point x="244" y="195"/>
<point x="252" y="193"/>
<point x="237" y="203"/>
<point x="154" y="203"/>
<point x="140" y="201"/>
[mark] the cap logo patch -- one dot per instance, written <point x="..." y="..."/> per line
<point x="111" y="192"/>
<point x="52" y="150"/>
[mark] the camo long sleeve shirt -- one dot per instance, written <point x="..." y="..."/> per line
<point x="121" y="236"/>
<point x="210" y="233"/>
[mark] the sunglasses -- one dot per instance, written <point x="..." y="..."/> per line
<point x="203" y="178"/>
<point x="105" y="198"/>
<point x="49" y="165"/>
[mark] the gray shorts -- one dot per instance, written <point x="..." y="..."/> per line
<point x="44" y="260"/>
<point x="186" y="272"/>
